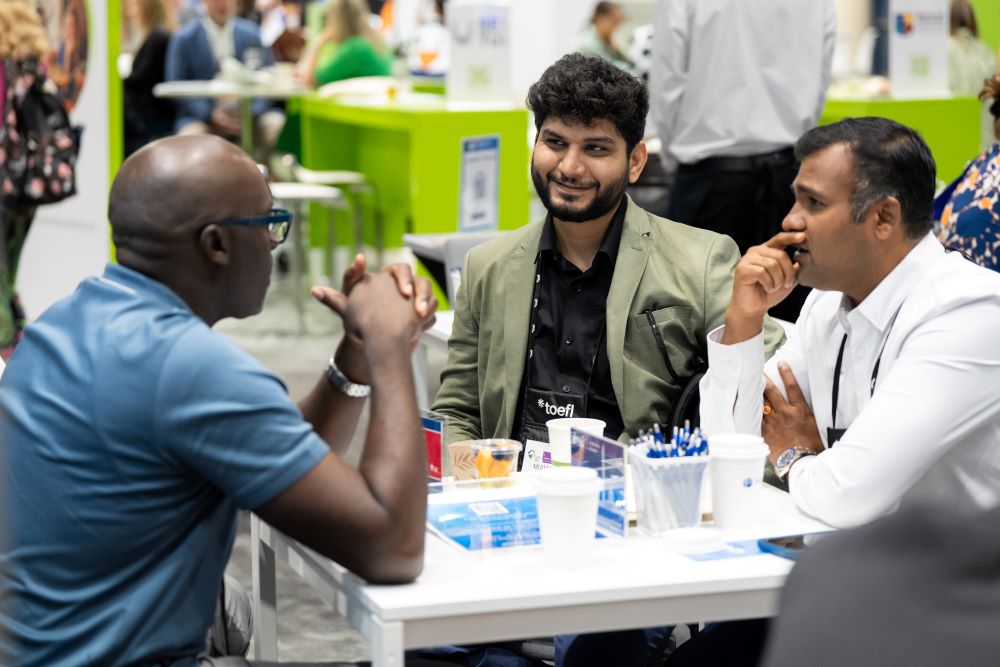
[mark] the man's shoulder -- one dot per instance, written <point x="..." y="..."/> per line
<point x="496" y="252"/>
<point x="246" y="26"/>
<point x="681" y="244"/>
<point x="189" y="30"/>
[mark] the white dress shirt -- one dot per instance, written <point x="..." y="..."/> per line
<point x="732" y="77"/>
<point x="930" y="431"/>
<point x="221" y="39"/>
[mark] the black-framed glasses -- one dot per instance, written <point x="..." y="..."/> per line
<point x="278" y="221"/>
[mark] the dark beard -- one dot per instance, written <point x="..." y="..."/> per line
<point x="606" y="199"/>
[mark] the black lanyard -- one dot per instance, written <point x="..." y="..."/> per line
<point x="833" y="433"/>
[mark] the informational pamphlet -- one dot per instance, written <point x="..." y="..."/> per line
<point x="479" y="193"/>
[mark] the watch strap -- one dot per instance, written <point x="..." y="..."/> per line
<point x="342" y="384"/>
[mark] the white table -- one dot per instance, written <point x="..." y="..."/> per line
<point x="509" y="594"/>
<point x="245" y="92"/>
<point x="435" y="337"/>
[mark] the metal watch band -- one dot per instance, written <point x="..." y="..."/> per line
<point x="343" y="385"/>
<point x="788" y="457"/>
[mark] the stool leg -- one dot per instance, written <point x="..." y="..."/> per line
<point x="331" y="247"/>
<point x="359" y="230"/>
<point x="298" y="267"/>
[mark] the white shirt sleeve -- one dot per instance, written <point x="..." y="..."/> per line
<point x="668" y="73"/>
<point x="935" y="396"/>
<point x="829" y="42"/>
<point x="732" y="391"/>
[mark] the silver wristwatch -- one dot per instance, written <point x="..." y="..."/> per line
<point x="785" y="460"/>
<point x="345" y="386"/>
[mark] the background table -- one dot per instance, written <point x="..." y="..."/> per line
<point x="509" y="594"/>
<point x="245" y="92"/>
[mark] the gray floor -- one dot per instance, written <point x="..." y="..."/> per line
<point x="308" y="629"/>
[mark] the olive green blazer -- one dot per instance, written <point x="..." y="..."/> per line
<point x="683" y="274"/>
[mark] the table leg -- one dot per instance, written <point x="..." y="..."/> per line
<point x="387" y="643"/>
<point x="265" y="598"/>
<point x="246" y="131"/>
<point x="419" y="362"/>
<point x="299" y="239"/>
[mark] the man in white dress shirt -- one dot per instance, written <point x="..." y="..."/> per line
<point x="889" y="387"/>
<point x="733" y="84"/>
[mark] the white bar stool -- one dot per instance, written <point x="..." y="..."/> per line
<point x="353" y="183"/>
<point x="296" y="196"/>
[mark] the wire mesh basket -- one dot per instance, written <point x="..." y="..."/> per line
<point x="668" y="491"/>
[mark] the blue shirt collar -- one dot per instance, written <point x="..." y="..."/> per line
<point x="131" y="281"/>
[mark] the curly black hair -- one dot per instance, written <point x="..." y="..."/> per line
<point x="585" y="89"/>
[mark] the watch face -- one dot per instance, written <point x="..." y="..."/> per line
<point x="785" y="458"/>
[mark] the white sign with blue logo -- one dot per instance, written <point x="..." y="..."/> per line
<point x="918" y="48"/>
<point x="479" y="188"/>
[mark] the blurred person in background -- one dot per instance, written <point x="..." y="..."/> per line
<point x="969" y="60"/>
<point x="195" y="53"/>
<point x="359" y="50"/>
<point x="22" y="48"/>
<point x="728" y="101"/>
<point x="598" y="38"/>
<point x="146" y="116"/>
<point x="967" y="212"/>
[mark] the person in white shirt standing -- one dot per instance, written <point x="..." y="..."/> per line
<point x="733" y="84"/>
<point x="887" y="392"/>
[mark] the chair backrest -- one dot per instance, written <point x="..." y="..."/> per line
<point x="456" y="247"/>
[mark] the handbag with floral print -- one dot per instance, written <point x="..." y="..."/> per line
<point x="38" y="145"/>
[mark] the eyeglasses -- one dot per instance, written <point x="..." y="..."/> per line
<point x="278" y="222"/>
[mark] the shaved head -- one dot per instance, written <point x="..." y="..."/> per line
<point x="164" y="203"/>
<point x="165" y="192"/>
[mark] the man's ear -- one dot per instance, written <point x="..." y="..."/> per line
<point x="215" y="244"/>
<point x="637" y="161"/>
<point x="888" y="215"/>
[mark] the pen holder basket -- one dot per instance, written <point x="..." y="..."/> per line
<point x="667" y="491"/>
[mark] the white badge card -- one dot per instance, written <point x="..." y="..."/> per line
<point x="537" y="456"/>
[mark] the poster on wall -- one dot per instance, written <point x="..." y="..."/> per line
<point x="918" y="48"/>
<point x="478" y="190"/>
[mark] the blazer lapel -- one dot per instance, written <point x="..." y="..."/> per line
<point x="518" y="285"/>
<point x="633" y="252"/>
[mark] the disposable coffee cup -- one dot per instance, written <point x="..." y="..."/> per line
<point x="567" y="513"/>
<point x="737" y="470"/>
<point x="559" y="436"/>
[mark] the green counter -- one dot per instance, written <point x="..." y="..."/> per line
<point x="412" y="154"/>
<point x="950" y="126"/>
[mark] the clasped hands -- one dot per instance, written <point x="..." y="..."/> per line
<point x="392" y="302"/>
<point x="788" y="422"/>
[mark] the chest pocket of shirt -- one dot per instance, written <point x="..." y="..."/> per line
<point x="678" y="328"/>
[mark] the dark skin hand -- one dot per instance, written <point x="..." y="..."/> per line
<point x="790" y="423"/>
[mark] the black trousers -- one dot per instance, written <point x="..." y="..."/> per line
<point x="729" y="644"/>
<point x="745" y="198"/>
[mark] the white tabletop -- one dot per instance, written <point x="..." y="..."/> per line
<point x="220" y="88"/>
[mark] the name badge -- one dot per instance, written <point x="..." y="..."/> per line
<point x="537" y="456"/>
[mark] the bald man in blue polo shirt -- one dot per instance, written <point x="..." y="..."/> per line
<point x="135" y="433"/>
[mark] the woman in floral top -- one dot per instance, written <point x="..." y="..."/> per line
<point x="967" y="212"/>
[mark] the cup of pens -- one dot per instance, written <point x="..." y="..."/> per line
<point x="668" y="478"/>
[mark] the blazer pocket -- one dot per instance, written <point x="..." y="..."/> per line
<point x="678" y="327"/>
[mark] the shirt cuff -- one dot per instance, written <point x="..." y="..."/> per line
<point x="728" y="361"/>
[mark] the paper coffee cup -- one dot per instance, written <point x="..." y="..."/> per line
<point x="559" y="436"/>
<point x="737" y="471"/>
<point x="567" y="513"/>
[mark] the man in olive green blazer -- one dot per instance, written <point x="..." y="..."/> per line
<point x="683" y="274"/>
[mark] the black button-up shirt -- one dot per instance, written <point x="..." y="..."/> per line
<point x="570" y="341"/>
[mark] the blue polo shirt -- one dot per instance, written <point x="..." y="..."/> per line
<point x="134" y="432"/>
